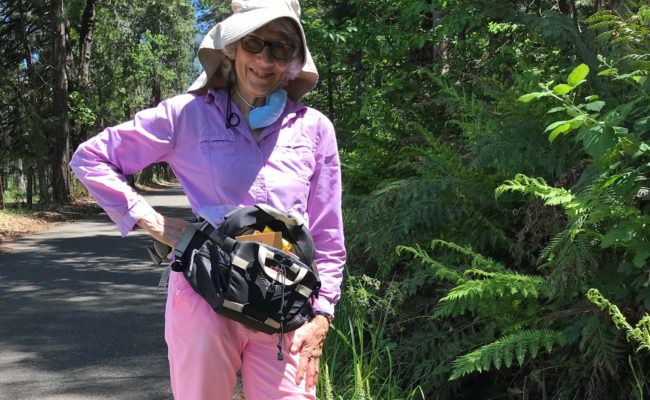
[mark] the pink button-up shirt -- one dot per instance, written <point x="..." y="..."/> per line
<point x="293" y="166"/>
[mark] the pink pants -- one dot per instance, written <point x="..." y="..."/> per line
<point x="206" y="350"/>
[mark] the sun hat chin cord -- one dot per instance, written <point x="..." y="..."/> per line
<point x="232" y="119"/>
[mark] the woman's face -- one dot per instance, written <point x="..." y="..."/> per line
<point x="260" y="74"/>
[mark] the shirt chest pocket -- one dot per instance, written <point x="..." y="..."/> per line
<point x="231" y="174"/>
<point x="218" y="143"/>
<point x="296" y="159"/>
<point x="288" y="172"/>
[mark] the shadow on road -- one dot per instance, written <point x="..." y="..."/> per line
<point x="82" y="317"/>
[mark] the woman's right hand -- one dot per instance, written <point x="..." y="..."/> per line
<point x="167" y="230"/>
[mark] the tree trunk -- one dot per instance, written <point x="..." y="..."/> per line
<point x="43" y="195"/>
<point x="330" y="90"/>
<point x="80" y="131"/>
<point x="568" y="7"/>
<point x="360" y="77"/>
<point x="85" y="44"/>
<point x="563" y="6"/>
<point x="61" y="188"/>
<point x="2" y="190"/>
<point x="20" y="176"/>
<point x="574" y="14"/>
<point x="156" y="93"/>
<point x="30" y="187"/>
<point x="169" y="174"/>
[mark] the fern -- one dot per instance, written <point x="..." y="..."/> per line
<point x="505" y="350"/>
<point x="438" y="199"/>
<point x="473" y="295"/>
<point x="431" y="350"/>
<point x="438" y="270"/>
<point x="514" y="149"/>
<point x="570" y="258"/>
<point x="537" y="187"/>
<point x="622" y="30"/>
<point x="410" y="207"/>
<point x="639" y="333"/>
<point x="477" y="260"/>
<point x="600" y="347"/>
<point x="560" y="32"/>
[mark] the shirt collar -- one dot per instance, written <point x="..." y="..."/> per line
<point x="219" y="98"/>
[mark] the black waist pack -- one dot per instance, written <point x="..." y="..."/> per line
<point x="260" y="286"/>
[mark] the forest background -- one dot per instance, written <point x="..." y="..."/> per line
<point x="495" y="159"/>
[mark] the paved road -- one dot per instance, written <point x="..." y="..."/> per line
<point x="80" y="313"/>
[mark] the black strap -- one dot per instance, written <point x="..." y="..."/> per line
<point x="203" y="228"/>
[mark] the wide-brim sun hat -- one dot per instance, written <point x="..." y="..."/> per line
<point x="247" y="17"/>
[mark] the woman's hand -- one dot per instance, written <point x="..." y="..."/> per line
<point x="167" y="230"/>
<point x="308" y="340"/>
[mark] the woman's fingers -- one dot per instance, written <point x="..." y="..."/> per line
<point x="173" y="229"/>
<point x="302" y="368"/>
<point x="297" y="346"/>
<point x="308" y="340"/>
<point x="312" y="375"/>
<point x="167" y="230"/>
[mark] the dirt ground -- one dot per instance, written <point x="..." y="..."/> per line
<point x="17" y="221"/>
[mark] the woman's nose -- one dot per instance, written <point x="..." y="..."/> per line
<point x="265" y="55"/>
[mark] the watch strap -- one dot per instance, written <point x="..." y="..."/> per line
<point x="328" y="316"/>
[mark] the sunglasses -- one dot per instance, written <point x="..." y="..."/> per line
<point x="279" y="50"/>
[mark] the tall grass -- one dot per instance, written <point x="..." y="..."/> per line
<point x="357" y="362"/>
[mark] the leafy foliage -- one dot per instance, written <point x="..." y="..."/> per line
<point x="640" y="333"/>
<point x="506" y="349"/>
<point x="424" y="97"/>
<point x="473" y="295"/>
<point x="135" y="62"/>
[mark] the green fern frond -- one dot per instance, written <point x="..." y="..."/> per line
<point x="640" y="333"/>
<point x="537" y="187"/>
<point x="636" y="57"/>
<point x="605" y="15"/>
<point x="599" y="346"/>
<point x="505" y="350"/>
<point x="424" y="205"/>
<point x="553" y="245"/>
<point x="569" y="256"/>
<point x="477" y="260"/>
<point x="440" y="271"/>
<point x="471" y="295"/>
<point x="559" y="30"/>
<point x="606" y="23"/>
<point x="622" y="30"/>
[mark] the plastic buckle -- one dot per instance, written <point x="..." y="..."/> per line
<point x="282" y="259"/>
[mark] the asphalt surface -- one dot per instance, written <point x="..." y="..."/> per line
<point x="81" y="316"/>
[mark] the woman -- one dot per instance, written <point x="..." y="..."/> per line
<point x="234" y="140"/>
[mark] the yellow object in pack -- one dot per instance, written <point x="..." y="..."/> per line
<point x="286" y="246"/>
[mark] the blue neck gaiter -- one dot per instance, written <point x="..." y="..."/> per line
<point x="270" y="112"/>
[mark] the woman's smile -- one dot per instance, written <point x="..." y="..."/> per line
<point x="261" y="75"/>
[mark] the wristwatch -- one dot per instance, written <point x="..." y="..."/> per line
<point x="328" y="316"/>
